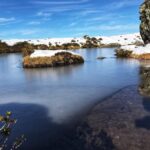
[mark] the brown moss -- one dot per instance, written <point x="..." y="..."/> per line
<point x="4" y="48"/>
<point x="120" y="53"/>
<point x="143" y="56"/>
<point x="68" y="46"/>
<point x="41" y="46"/>
<point x="60" y="59"/>
<point x="111" y="45"/>
<point x="24" y="47"/>
<point x="91" y="42"/>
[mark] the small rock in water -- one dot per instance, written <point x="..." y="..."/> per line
<point x="101" y="58"/>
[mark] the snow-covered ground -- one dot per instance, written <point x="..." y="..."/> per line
<point x="126" y="41"/>
<point x="47" y="41"/>
<point x="137" y="50"/>
<point x="120" y="39"/>
<point x="47" y="53"/>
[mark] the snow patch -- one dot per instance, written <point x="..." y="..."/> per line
<point x="137" y="50"/>
<point x="48" y="53"/>
<point x="122" y="39"/>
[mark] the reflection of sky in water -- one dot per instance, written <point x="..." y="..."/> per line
<point x="66" y="91"/>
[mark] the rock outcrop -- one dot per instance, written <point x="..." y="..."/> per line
<point x="145" y="21"/>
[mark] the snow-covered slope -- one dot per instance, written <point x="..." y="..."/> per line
<point x="53" y="41"/>
<point x="120" y="39"/>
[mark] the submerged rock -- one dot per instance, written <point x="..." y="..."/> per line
<point x="58" y="59"/>
<point x="144" y="87"/>
<point x="101" y="58"/>
<point x="121" y="122"/>
<point x="145" y="21"/>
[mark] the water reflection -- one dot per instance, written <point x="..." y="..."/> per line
<point x="53" y="73"/>
<point x="34" y="122"/>
<point x="61" y="89"/>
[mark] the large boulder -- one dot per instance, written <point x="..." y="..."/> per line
<point x="145" y="21"/>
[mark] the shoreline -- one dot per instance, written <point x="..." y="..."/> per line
<point x="76" y="137"/>
<point x="108" y="97"/>
<point x="11" y="46"/>
<point x="118" y="122"/>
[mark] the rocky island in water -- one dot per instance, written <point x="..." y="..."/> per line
<point x="51" y="58"/>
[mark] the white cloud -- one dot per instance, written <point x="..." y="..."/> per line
<point x="44" y="14"/>
<point x="103" y="17"/>
<point x="60" y="2"/>
<point x="67" y="10"/>
<point x="121" y="4"/>
<point x="89" y="11"/>
<point x="6" y="20"/>
<point x="48" y="12"/>
<point x="34" y="23"/>
<point x="108" y="17"/>
<point x="118" y="27"/>
<point x="24" y="33"/>
<point x="20" y="32"/>
<point x="72" y="24"/>
<point x="28" y="31"/>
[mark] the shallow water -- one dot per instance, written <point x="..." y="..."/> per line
<point x="48" y="101"/>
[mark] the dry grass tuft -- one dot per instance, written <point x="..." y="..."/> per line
<point x="60" y="59"/>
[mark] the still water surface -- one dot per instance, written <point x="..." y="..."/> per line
<point x="47" y="101"/>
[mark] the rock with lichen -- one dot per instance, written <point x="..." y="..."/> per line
<point x="145" y="21"/>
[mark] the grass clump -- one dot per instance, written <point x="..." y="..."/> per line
<point x="59" y="59"/>
<point x="121" y="53"/>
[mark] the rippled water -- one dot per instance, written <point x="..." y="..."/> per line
<point x="47" y="101"/>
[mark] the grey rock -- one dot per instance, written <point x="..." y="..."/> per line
<point x="145" y="21"/>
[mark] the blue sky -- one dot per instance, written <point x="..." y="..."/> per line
<point x="67" y="18"/>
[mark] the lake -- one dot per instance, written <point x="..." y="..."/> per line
<point x="48" y="102"/>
